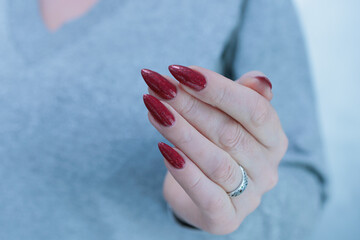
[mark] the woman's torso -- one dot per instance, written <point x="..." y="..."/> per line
<point x="78" y="157"/>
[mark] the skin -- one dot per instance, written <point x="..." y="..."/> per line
<point x="244" y="129"/>
<point x="55" y="13"/>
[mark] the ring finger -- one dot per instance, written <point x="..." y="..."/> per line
<point x="209" y="197"/>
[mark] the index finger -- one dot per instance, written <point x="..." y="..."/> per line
<point x="245" y="105"/>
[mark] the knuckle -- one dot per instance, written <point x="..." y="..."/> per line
<point x="190" y="106"/>
<point x="214" y="205"/>
<point x="272" y="178"/>
<point x="261" y="112"/>
<point x="233" y="137"/>
<point x="225" y="173"/>
<point x="185" y="137"/>
<point x="281" y="148"/>
<point x="257" y="201"/>
<point x="219" y="98"/>
<point x="194" y="186"/>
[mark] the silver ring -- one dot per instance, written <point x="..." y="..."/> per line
<point x="242" y="186"/>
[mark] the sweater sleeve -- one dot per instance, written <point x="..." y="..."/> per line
<point x="269" y="39"/>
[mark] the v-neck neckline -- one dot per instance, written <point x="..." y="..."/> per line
<point x="35" y="41"/>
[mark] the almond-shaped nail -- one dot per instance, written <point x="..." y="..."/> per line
<point x="188" y="77"/>
<point x="172" y="156"/>
<point x="264" y="79"/>
<point x="163" y="87"/>
<point x="158" y="110"/>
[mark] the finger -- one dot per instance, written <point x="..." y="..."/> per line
<point x="258" y="82"/>
<point x="207" y="195"/>
<point x="212" y="160"/>
<point x="246" y="106"/>
<point x="222" y="130"/>
<point x="219" y="209"/>
<point x="181" y="203"/>
<point x="216" y="207"/>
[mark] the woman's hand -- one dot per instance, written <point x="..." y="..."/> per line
<point x="216" y="125"/>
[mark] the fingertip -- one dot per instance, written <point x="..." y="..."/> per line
<point x="265" y="80"/>
<point x="172" y="156"/>
<point x="258" y="82"/>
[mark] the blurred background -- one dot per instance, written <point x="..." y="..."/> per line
<point x="332" y="30"/>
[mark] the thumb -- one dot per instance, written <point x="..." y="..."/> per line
<point x="258" y="82"/>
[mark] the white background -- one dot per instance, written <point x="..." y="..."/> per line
<point x="332" y="30"/>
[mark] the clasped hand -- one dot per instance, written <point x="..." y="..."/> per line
<point x="215" y="124"/>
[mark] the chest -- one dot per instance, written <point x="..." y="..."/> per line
<point x="77" y="98"/>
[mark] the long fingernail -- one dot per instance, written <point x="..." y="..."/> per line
<point x="158" y="110"/>
<point x="172" y="156"/>
<point x="163" y="87"/>
<point x="264" y="79"/>
<point x="188" y="77"/>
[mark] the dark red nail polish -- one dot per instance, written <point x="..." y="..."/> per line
<point x="188" y="77"/>
<point x="158" y="110"/>
<point x="264" y="79"/>
<point x="163" y="87"/>
<point x="172" y="156"/>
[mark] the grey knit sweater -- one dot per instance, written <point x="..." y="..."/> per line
<point x="78" y="157"/>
